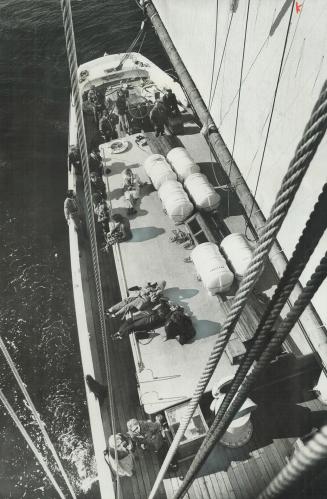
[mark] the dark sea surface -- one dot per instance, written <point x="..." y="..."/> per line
<point x="37" y="311"/>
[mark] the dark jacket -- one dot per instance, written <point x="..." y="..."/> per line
<point x="179" y="325"/>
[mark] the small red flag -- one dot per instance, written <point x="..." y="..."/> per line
<point x="298" y="7"/>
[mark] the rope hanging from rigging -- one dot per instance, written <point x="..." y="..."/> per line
<point x="312" y="233"/>
<point x="29" y="441"/>
<point x="36" y="415"/>
<point x="305" y="151"/>
<point x="73" y="69"/>
<point x="227" y="412"/>
<point x="302" y="461"/>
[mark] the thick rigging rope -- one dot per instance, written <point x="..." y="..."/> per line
<point x="36" y="415"/>
<point x="226" y="413"/>
<point x="73" y="69"/>
<point x="312" y="233"/>
<point x="29" y="441"/>
<point x="272" y="111"/>
<point x="217" y="430"/>
<point x="305" y="151"/>
<point x="302" y="461"/>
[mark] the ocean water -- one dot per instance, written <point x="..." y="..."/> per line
<point x="37" y="318"/>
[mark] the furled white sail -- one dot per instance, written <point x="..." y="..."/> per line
<point x="192" y="27"/>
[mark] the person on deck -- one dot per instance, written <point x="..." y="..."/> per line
<point x="131" y="188"/>
<point x="144" y="298"/>
<point x="97" y="184"/>
<point x="117" y="232"/>
<point x="74" y="158"/>
<point x="121" y="106"/>
<point x="71" y="210"/>
<point x="149" y="435"/>
<point x="95" y="162"/>
<point x="94" y="100"/>
<point x="122" y="446"/>
<point x="179" y="326"/>
<point x="145" y="321"/>
<point x="159" y="117"/>
<point x="102" y="213"/>
<point x="170" y="102"/>
<point x="106" y="127"/>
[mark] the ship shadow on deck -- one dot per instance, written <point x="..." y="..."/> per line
<point x="205" y="328"/>
<point x="140" y="234"/>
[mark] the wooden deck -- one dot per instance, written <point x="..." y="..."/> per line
<point x="241" y="473"/>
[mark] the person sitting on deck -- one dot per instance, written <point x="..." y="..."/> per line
<point x="121" y="106"/>
<point x="102" y="213"/>
<point x="145" y="321"/>
<point x="145" y="297"/>
<point x="71" y="210"/>
<point x="106" y="127"/>
<point x="74" y="159"/>
<point x="95" y="162"/>
<point x="117" y="233"/>
<point x="97" y="184"/>
<point x="159" y="117"/>
<point x="131" y="188"/>
<point x="179" y="326"/>
<point x="149" y="435"/>
<point x="122" y="446"/>
<point x="170" y="102"/>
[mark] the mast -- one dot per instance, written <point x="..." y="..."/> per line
<point x="310" y="320"/>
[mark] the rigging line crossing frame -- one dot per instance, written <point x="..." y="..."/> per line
<point x="215" y="433"/>
<point x="36" y="415"/>
<point x="221" y="60"/>
<point x="272" y="108"/>
<point x="238" y="99"/>
<point x="301" y="462"/>
<point x="214" y="51"/>
<point x="305" y="151"/>
<point x="73" y="69"/>
<point x="312" y="233"/>
<point x="259" y="350"/>
<point x="29" y="441"/>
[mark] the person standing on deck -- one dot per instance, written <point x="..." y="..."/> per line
<point x="98" y="185"/>
<point x="121" y="105"/>
<point x="71" y="210"/>
<point x="170" y="102"/>
<point x="159" y="117"/>
<point x="95" y="162"/>
<point x="94" y="100"/>
<point x="74" y="159"/>
<point x="149" y="435"/>
<point x="106" y="127"/>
